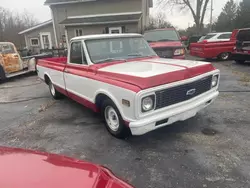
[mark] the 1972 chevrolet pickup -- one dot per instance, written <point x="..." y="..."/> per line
<point x="121" y="76"/>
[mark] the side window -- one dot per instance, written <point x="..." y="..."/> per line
<point x="209" y="36"/>
<point x="78" y="32"/>
<point x="77" y="55"/>
<point x="224" y="36"/>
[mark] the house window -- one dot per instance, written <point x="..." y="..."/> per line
<point x="34" y="42"/>
<point x="78" y="32"/>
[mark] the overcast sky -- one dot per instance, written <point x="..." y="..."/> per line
<point x="42" y="13"/>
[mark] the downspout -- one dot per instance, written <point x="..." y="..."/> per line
<point x="54" y="27"/>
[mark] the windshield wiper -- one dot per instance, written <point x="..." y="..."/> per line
<point x="165" y="40"/>
<point x="135" y="55"/>
<point x="109" y="59"/>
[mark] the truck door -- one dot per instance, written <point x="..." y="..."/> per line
<point x="76" y="73"/>
<point x="10" y="57"/>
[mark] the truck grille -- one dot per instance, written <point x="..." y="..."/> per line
<point x="164" y="52"/>
<point x="179" y="94"/>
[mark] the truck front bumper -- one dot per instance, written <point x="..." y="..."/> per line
<point x="170" y="116"/>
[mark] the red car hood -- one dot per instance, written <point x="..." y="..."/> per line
<point x="153" y="72"/>
<point x="165" y="44"/>
<point x="29" y="169"/>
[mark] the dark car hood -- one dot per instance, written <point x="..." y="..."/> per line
<point x="29" y="169"/>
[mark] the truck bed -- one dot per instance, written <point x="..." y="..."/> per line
<point x="53" y="63"/>
<point x="211" y="49"/>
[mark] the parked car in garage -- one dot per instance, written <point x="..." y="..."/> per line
<point x="166" y="43"/>
<point x="11" y="63"/>
<point x="241" y="51"/>
<point x="22" y="168"/>
<point x="122" y="77"/>
<point x="217" y="49"/>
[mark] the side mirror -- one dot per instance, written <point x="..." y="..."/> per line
<point x="184" y="38"/>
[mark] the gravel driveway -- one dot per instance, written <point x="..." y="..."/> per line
<point x="210" y="150"/>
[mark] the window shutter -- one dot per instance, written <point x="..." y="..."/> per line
<point x="106" y="30"/>
<point x="123" y="29"/>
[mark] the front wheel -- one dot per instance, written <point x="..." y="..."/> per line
<point x="55" y="94"/>
<point x="2" y="74"/>
<point x="113" y="120"/>
<point x="224" y="56"/>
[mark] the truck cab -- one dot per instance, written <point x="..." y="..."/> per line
<point x="11" y="63"/>
<point x="167" y="43"/>
<point x="241" y="51"/>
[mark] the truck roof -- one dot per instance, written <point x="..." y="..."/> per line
<point x="102" y="36"/>
<point x="219" y="33"/>
<point x="160" y="29"/>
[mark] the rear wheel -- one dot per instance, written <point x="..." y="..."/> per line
<point x="2" y="74"/>
<point x="224" y="56"/>
<point x="240" y="61"/>
<point x="55" y="94"/>
<point x="113" y="120"/>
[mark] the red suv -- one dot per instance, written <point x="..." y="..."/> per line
<point x="167" y="43"/>
<point x="241" y="52"/>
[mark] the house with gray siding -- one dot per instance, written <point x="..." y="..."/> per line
<point x="71" y="18"/>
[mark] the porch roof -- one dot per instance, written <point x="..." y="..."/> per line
<point x="103" y="19"/>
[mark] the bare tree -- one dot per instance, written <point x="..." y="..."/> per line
<point x="158" y="21"/>
<point x="198" y="12"/>
<point x="11" y="23"/>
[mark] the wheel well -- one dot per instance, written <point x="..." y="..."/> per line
<point x="46" y="79"/>
<point x="2" y="72"/>
<point x="100" y="98"/>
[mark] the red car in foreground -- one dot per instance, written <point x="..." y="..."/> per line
<point x="208" y="50"/>
<point x="166" y="42"/>
<point x="22" y="168"/>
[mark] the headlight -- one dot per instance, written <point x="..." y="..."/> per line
<point x="148" y="103"/>
<point x="179" y="52"/>
<point x="215" y="80"/>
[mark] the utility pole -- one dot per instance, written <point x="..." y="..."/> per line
<point x="211" y="17"/>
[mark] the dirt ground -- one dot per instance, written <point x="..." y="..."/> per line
<point x="210" y="150"/>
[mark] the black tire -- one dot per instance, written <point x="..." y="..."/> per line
<point x="122" y="131"/>
<point x="2" y="74"/>
<point x="240" y="61"/>
<point x="54" y="93"/>
<point x="224" y="56"/>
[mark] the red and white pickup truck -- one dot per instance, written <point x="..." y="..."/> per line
<point x="121" y="76"/>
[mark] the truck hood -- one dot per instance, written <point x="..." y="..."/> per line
<point x="165" y="44"/>
<point x="153" y="72"/>
<point x="29" y="169"/>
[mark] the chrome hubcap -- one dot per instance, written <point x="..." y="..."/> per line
<point x="111" y="118"/>
<point x="225" y="56"/>
<point x="52" y="89"/>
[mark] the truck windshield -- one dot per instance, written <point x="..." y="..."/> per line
<point x="123" y="48"/>
<point x="6" y="49"/>
<point x="162" y="35"/>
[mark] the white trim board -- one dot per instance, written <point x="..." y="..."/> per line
<point x="36" y="27"/>
<point x="70" y="2"/>
<point x="99" y="23"/>
<point x="111" y="14"/>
